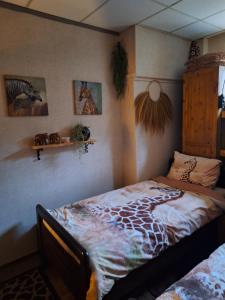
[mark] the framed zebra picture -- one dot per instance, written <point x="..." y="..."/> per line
<point x="26" y="96"/>
<point x="88" y="97"/>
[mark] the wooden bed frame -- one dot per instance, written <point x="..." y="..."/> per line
<point x="178" y="259"/>
<point x="76" y="272"/>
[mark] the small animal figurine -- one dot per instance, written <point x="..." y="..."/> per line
<point x="54" y="138"/>
<point x="41" y="139"/>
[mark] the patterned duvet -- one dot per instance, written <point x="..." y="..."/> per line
<point x="204" y="282"/>
<point x="123" y="229"/>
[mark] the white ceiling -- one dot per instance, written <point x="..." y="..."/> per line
<point x="190" y="19"/>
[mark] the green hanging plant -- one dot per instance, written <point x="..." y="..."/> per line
<point x="119" y="68"/>
<point x="80" y="134"/>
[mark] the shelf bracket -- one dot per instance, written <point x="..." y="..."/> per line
<point x="38" y="153"/>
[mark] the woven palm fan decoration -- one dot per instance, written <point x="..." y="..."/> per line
<point x="153" y="115"/>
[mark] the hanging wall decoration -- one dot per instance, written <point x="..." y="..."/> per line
<point x="153" y="115"/>
<point x="119" y="68"/>
<point x="26" y="96"/>
<point x="88" y="97"/>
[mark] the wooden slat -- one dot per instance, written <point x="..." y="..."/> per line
<point x="200" y="112"/>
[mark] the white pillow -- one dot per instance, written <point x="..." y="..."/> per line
<point x="195" y="169"/>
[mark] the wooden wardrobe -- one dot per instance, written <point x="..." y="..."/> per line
<point x="202" y="111"/>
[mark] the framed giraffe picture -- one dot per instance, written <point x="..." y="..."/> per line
<point x="87" y="97"/>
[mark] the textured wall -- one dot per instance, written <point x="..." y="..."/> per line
<point x="154" y="150"/>
<point x="128" y="117"/>
<point x="162" y="55"/>
<point x="216" y="43"/>
<point x="60" y="53"/>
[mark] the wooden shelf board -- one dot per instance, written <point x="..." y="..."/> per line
<point x="39" y="147"/>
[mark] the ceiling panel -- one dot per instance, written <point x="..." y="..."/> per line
<point x="217" y="20"/>
<point x="184" y="17"/>
<point x="168" y="20"/>
<point x="196" y="30"/>
<point x="200" y="8"/>
<point x="70" y="9"/>
<point x="166" y="2"/>
<point x="18" y="2"/>
<point x="118" y="15"/>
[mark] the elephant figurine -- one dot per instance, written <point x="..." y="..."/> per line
<point x="54" y="138"/>
<point x="41" y="139"/>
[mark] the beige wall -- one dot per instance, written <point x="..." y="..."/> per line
<point x="123" y="153"/>
<point x="216" y="43"/>
<point x="154" y="150"/>
<point x="60" y="53"/>
<point x="129" y="162"/>
<point x="159" y="55"/>
<point x="128" y="40"/>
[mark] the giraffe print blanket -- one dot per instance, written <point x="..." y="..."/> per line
<point x="123" y="229"/>
<point x="205" y="282"/>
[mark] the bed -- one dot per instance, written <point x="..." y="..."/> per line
<point x="182" y="218"/>
<point x="205" y="282"/>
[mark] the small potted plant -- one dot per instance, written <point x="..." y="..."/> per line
<point x="81" y="134"/>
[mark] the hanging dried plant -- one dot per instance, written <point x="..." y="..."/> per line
<point x="153" y="115"/>
<point x="119" y="68"/>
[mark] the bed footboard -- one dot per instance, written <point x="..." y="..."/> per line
<point x="71" y="261"/>
<point x="73" y="266"/>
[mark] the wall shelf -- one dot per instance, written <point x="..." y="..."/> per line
<point x="40" y="148"/>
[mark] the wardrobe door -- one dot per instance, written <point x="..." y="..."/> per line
<point x="200" y="109"/>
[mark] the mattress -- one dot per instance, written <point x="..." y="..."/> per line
<point x="205" y="282"/>
<point x="123" y="229"/>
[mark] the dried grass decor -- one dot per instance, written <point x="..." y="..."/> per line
<point x="153" y="115"/>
